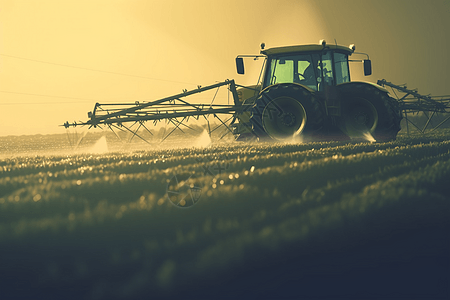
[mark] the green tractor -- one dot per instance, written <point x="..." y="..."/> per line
<point x="305" y="93"/>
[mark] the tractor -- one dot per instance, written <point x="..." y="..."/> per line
<point x="305" y="92"/>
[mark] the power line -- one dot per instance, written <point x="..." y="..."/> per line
<point x="66" y="97"/>
<point x="94" y="70"/>
<point x="49" y="96"/>
<point x="40" y="103"/>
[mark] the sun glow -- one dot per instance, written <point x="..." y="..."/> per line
<point x="152" y="41"/>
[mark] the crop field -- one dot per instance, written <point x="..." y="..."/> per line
<point x="328" y="220"/>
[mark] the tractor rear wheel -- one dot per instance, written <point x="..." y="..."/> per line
<point x="285" y="111"/>
<point x="368" y="111"/>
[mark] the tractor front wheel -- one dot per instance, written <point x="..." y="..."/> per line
<point x="286" y="111"/>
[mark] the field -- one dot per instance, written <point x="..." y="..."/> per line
<point x="327" y="220"/>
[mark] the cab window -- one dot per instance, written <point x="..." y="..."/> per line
<point x="341" y="68"/>
<point x="327" y="68"/>
<point x="294" y="68"/>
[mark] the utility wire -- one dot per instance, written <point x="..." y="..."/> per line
<point x="94" y="70"/>
<point x="50" y="96"/>
<point x="40" y="103"/>
<point x="72" y="98"/>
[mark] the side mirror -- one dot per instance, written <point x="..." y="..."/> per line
<point x="240" y="65"/>
<point x="367" y="67"/>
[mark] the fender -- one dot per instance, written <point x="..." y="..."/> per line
<point x="366" y="83"/>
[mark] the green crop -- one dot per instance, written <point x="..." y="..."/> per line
<point x="104" y="222"/>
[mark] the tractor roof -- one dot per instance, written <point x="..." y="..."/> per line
<point x="305" y="48"/>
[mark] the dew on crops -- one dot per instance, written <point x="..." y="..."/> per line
<point x="104" y="220"/>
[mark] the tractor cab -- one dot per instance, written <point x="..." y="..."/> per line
<point x="313" y="66"/>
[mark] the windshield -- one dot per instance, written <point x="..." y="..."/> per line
<point x="308" y="69"/>
<point x="294" y="68"/>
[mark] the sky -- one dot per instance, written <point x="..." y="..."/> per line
<point x="58" y="58"/>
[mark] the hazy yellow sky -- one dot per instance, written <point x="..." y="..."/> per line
<point x="172" y="45"/>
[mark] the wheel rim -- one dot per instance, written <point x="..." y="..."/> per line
<point x="284" y="118"/>
<point x="360" y="117"/>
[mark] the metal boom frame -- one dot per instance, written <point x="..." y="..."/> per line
<point x="411" y="102"/>
<point x="172" y="109"/>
